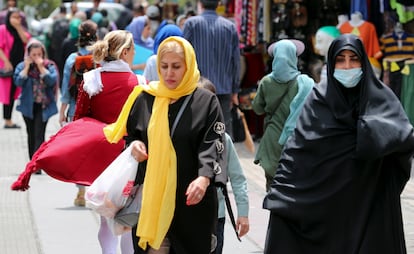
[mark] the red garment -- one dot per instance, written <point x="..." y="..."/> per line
<point x="106" y="105"/>
<point x="79" y="152"/>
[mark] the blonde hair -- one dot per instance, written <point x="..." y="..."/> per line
<point x="171" y="47"/>
<point x="110" y="48"/>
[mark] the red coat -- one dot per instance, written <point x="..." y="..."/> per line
<point x="79" y="152"/>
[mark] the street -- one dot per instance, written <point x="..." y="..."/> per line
<point x="43" y="220"/>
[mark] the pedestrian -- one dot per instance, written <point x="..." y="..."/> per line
<point x="180" y="20"/>
<point x="179" y="203"/>
<point x="87" y="36"/>
<point x="238" y="183"/>
<point x="108" y="85"/>
<point x="38" y="78"/>
<point x="167" y="30"/>
<point x="280" y="97"/>
<point x="216" y="43"/>
<point x="141" y="31"/>
<point x="338" y="185"/>
<point x="12" y="4"/>
<point x="12" y="44"/>
<point x="69" y="44"/>
<point x="58" y="32"/>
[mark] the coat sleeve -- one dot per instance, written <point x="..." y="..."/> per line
<point x="211" y="151"/>
<point x="237" y="179"/>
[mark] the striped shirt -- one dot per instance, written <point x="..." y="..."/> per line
<point x="216" y="45"/>
<point x="398" y="47"/>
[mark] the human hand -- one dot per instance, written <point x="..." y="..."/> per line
<point x="27" y="62"/>
<point x="242" y="225"/>
<point x="8" y="66"/>
<point x="196" y="190"/>
<point x="139" y="151"/>
<point x="38" y="61"/>
<point x="62" y="119"/>
<point x="235" y="99"/>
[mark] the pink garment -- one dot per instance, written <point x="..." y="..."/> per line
<point x="6" y="43"/>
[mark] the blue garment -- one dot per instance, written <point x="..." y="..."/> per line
<point x="361" y="6"/>
<point x="216" y="45"/>
<point x="238" y="183"/>
<point x="305" y="85"/>
<point x="285" y="62"/>
<point x="165" y="31"/>
<point x="64" y="90"/>
<point x="26" y="100"/>
<point x="141" y="56"/>
<point x="136" y="27"/>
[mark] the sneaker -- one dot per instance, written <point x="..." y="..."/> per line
<point x="13" y="126"/>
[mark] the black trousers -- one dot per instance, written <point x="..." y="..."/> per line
<point x="35" y="129"/>
<point x="8" y="108"/>
<point x="220" y="235"/>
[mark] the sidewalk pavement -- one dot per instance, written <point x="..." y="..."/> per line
<point x="43" y="220"/>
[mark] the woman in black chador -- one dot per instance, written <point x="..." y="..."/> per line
<point x="337" y="188"/>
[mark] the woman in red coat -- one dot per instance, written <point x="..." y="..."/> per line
<point x="79" y="152"/>
<point x="102" y="96"/>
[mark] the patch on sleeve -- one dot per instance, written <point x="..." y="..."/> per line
<point x="219" y="128"/>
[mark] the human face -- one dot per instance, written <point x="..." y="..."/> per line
<point x="347" y="59"/>
<point x="182" y="21"/>
<point x="35" y="54"/>
<point x="15" y="19"/>
<point x="11" y="3"/>
<point x="172" y="69"/>
<point x="146" y="32"/>
<point x="128" y="54"/>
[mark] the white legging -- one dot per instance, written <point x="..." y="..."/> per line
<point x="109" y="242"/>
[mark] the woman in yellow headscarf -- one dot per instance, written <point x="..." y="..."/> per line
<point x="179" y="205"/>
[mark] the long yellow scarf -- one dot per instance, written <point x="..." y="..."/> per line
<point x="158" y="201"/>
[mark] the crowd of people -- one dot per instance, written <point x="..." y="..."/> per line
<point x="334" y="152"/>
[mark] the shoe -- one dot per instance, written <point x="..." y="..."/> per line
<point x="39" y="172"/>
<point x="80" y="198"/>
<point x="13" y="126"/>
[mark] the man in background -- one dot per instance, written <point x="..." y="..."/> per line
<point x="216" y="44"/>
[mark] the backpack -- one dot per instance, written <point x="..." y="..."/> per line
<point x="82" y="64"/>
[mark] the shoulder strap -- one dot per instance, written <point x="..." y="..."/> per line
<point x="229" y="210"/>
<point x="177" y="118"/>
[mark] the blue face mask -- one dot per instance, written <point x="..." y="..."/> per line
<point x="348" y="77"/>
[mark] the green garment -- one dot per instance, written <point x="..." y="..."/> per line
<point x="407" y="93"/>
<point x="272" y="99"/>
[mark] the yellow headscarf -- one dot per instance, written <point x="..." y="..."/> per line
<point x="158" y="201"/>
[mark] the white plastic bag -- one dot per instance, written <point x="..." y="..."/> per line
<point x="110" y="190"/>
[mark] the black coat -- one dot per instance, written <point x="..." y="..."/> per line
<point x="337" y="188"/>
<point x="195" y="142"/>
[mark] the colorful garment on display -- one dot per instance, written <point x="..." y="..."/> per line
<point x="398" y="46"/>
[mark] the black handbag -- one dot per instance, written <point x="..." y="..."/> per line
<point x="4" y="73"/>
<point x="129" y="214"/>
